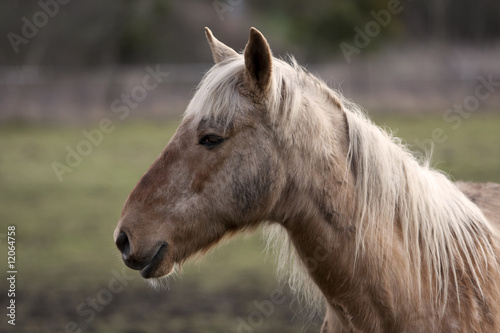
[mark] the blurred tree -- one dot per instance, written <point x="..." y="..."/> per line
<point x="139" y="29"/>
<point x="93" y="33"/>
<point x="317" y="28"/>
<point x="453" y="21"/>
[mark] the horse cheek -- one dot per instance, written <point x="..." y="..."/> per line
<point x="250" y="188"/>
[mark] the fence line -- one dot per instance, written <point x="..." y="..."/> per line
<point x="76" y="95"/>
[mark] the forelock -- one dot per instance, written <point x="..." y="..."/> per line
<point x="217" y="96"/>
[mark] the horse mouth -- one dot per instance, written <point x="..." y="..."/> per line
<point x="150" y="269"/>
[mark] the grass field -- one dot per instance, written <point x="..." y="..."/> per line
<point x="68" y="265"/>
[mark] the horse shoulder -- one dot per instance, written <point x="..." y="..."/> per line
<point x="486" y="196"/>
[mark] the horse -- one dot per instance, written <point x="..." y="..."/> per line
<point x="363" y="229"/>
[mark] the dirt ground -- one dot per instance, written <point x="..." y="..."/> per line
<point x="184" y="309"/>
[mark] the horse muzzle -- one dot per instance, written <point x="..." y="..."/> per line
<point x="147" y="263"/>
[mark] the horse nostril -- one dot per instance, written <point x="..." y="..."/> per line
<point x="123" y="245"/>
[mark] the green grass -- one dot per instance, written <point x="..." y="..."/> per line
<point x="64" y="229"/>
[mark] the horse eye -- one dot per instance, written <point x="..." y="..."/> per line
<point x="211" y="141"/>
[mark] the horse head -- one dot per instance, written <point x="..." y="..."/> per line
<point x="218" y="174"/>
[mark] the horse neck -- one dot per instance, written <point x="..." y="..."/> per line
<point x="317" y="208"/>
<point x="367" y="289"/>
<point x="356" y="253"/>
<point x="366" y="292"/>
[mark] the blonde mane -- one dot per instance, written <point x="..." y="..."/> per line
<point x="443" y="233"/>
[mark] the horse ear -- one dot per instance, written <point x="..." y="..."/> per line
<point x="220" y="51"/>
<point x="258" y="60"/>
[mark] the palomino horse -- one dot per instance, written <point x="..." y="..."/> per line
<point x="387" y="243"/>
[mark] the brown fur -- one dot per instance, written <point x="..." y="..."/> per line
<point x="288" y="159"/>
<point x="486" y="196"/>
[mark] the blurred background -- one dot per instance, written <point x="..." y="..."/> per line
<point x="90" y="93"/>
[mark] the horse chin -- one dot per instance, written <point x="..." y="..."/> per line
<point x="163" y="282"/>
